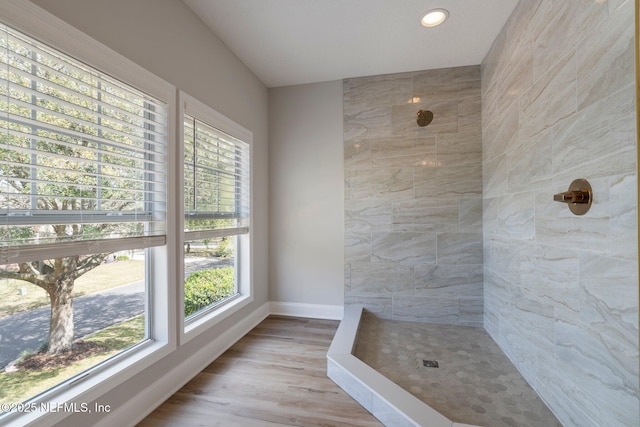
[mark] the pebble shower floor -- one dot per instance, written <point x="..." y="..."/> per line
<point x="474" y="383"/>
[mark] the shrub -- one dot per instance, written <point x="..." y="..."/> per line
<point x="224" y="249"/>
<point x="205" y="287"/>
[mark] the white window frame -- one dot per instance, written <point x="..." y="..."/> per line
<point x="28" y="18"/>
<point x="244" y="271"/>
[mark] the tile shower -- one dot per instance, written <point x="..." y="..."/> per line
<point x="455" y="222"/>
<point x="413" y="208"/>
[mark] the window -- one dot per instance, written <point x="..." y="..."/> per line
<point x="83" y="210"/>
<point x="216" y="212"/>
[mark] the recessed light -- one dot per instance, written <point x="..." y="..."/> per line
<point x="434" y="17"/>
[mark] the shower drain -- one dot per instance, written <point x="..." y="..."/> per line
<point x="430" y="363"/>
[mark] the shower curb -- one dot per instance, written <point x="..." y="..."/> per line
<point x="386" y="401"/>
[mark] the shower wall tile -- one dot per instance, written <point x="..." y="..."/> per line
<point x="403" y="151"/>
<point x="448" y="279"/>
<point x="430" y="214"/>
<point x="551" y="98"/>
<point x="605" y="58"/>
<point x="447" y="83"/>
<point x="413" y="210"/>
<point x="459" y="248"/>
<point x="383" y="184"/>
<point x="414" y="308"/>
<point x="380" y="279"/>
<point x="470" y="215"/>
<point x="403" y="247"/>
<point x="459" y="148"/>
<point x="448" y="181"/>
<point x="561" y="291"/>
<point x="471" y="311"/>
<point x="530" y="164"/>
<point x="368" y="123"/>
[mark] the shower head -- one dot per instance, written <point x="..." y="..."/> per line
<point x="424" y="117"/>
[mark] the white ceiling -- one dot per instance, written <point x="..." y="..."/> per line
<point x="288" y="42"/>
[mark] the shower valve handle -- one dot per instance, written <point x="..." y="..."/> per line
<point x="580" y="196"/>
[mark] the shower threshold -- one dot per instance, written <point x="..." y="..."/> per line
<point x="394" y="405"/>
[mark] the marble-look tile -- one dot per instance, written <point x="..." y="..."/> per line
<point x="607" y="381"/>
<point x="447" y="83"/>
<point x="471" y="310"/>
<point x="452" y="181"/>
<point x="426" y="309"/>
<point x="495" y="177"/>
<point x="379" y="91"/>
<point x="490" y="216"/>
<point x="551" y="275"/>
<point x="516" y="213"/>
<point x="534" y="320"/>
<point x="586" y="142"/>
<point x="530" y="164"/>
<point x="460" y="148"/>
<point x="403" y="247"/>
<point x="382" y="183"/>
<point x="357" y="246"/>
<point x="470" y="215"/>
<point x="606" y="56"/>
<point x="363" y="216"/>
<point x="608" y="285"/>
<point x="551" y="98"/>
<point x="470" y="115"/>
<point x="448" y="280"/>
<point x="558" y="40"/>
<point x="459" y="248"/>
<point x="560" y="300"/>
<point x="401" y="151"/>
<point x="357" y="154"/>
<point x="623" y="202"/>
<point x="504" y="258"/>
<point x="432" y="176"/>
<point x="374" y="122"/>
<point x="500" y="133"/>
<point x="426" y="214"/>
<point x="380" y="279"/>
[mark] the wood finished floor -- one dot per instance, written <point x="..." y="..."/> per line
<point x="274" y="376"/>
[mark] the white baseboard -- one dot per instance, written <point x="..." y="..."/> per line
<point x="154" y="395"/>
<point x="313" y="311"/>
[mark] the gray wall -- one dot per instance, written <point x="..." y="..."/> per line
<point x="561" y="291"/>
<point x="166" y="38"/>
<point x="413" y="198"/>
<point x="306" y="194"/>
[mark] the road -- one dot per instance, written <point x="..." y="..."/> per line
<point x="91" y="313"/>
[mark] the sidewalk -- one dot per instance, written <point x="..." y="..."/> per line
<point x="91" y="313"/>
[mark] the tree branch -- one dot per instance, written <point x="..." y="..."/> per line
<point x="40" y="280"/>
<point x="87" y="264"/>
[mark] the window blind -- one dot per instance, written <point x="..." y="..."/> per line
<point x="82" y="155"/>
<point x="216" y="181"/>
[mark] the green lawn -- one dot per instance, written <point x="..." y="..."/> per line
<point x="23" y="384"/>
<point x="103" y="277"/>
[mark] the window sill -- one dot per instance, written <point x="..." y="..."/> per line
<point x="204" y="322"/>
<point x="82" y="394"/>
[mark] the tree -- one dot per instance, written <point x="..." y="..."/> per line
<point x="57" y="278"/>
<point x="59" y="153"/>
